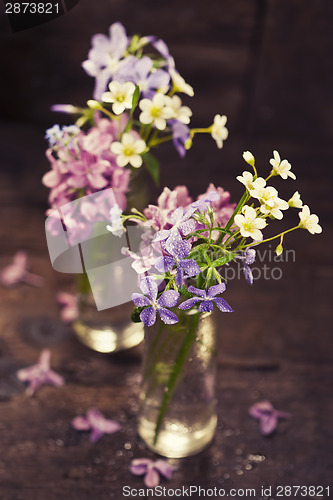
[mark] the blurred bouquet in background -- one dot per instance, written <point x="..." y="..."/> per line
<point x="136" y="106"/>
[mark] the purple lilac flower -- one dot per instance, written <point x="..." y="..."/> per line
<point x="140" y="72"/>
<point x="186" y="268"/>
<point x="223" y="209"/>
<point x="180" y="134"/>
<point x="203" y="202"/>
<point x="104" y="57"/>
<point x="248" y="258"/>
<point x="163" y="49"/>
<point x="69" y="307"/>
<point x="144" y="260"/>
<point x="40" y="374"/>
<point x="60" y="137"/>
<point x="65" y="108"/>
<point x="207" y="299"/>
<point x="267" y="415"/>
<point x="151" y="470"/>
<point x="182" y="225"/>
<point x="88" y="165"/>
<point x="159" y="217"/>
<point x="88" y="171"/>
<point x="96" y="423"/>
<point x="17" y="272"/>
<point x="169" y="298"/>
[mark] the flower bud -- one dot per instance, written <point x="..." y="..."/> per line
<point x="248" y="157"/>
<point x="279" y="249"/>
<point x="92" y="104"/>
<point x="188" y="143"/>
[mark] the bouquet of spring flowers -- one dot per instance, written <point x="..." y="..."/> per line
<point x="185" y="246"/>
<point x="190" y="242"/>
<point x="136" y="106"/>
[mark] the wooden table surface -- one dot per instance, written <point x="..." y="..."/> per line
<point x="266" y="65"/>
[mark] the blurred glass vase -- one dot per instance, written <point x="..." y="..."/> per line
<point x="80" y="242"/>
<point x="104" y="309"/>
<point x="108" y="330"/>
<point x="177" y="415"/>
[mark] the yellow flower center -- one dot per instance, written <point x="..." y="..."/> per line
<point x="128" y="151"/>
<point x="248" y="226"/>
<point x="155" y="112"/>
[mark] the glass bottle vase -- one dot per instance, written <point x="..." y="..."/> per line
<point x="177" y="415"/>
<point x="106" y="331"/>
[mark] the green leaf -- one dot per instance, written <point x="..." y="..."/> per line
<point x="135" y="316"/>
<point x="217" y="276"/>
<point x="135" y="97"/>
<point x="210" y="277"/>
<point x="199" y="249"/>
<point x="200" y="281"/>
<point x="206" y="256"/>
<point x="223" y="260"/>
<point x="152" y="166"/>
<point x="186" y="293"/>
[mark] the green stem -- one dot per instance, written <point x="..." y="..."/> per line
<point x="154" y="143"/>
<point x="83" y="285"/>
<point x="153" y="137"/>
<point x="181" y="358"/>
<point x="109" y="114"/>
<point x="231" y="220"/>
<point x="231" y="237"/>
<point x="272" y="238"/>
<point x="147" y="132"/>
<point x="200" y="130"/>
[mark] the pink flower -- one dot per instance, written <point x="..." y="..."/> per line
<point x="17" y="272"/>
<point x="151" y="470"/>
<point x="143" y="260"/>
<point x="96" y="423"/>
<point x="88" y="172"/>
<point x="223" y="209"/>
<point x="40" y="374"/>
<point x="86" y="164"/>
<point x="268" y="417"/>
<point x="159" y="217"/>
<point x="69" y="307"/>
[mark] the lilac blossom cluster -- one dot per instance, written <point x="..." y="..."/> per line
<point x="82" y="163"/>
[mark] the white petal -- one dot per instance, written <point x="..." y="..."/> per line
<point x="118" y="108"/>
<point x="160" y="123"/>
<point x="122" y="160"/>
<point x="117" y="148"/>
<point x="145" y="118"/>
<point x="135" y="161"/>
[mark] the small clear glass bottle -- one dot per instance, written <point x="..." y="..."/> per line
<point x="177" y="415"/>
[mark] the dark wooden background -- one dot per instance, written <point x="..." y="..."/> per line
<point x="267" y="64"/>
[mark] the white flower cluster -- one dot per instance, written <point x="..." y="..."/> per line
<point x="252" y="220"/>
<point x="162" y="108"/>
